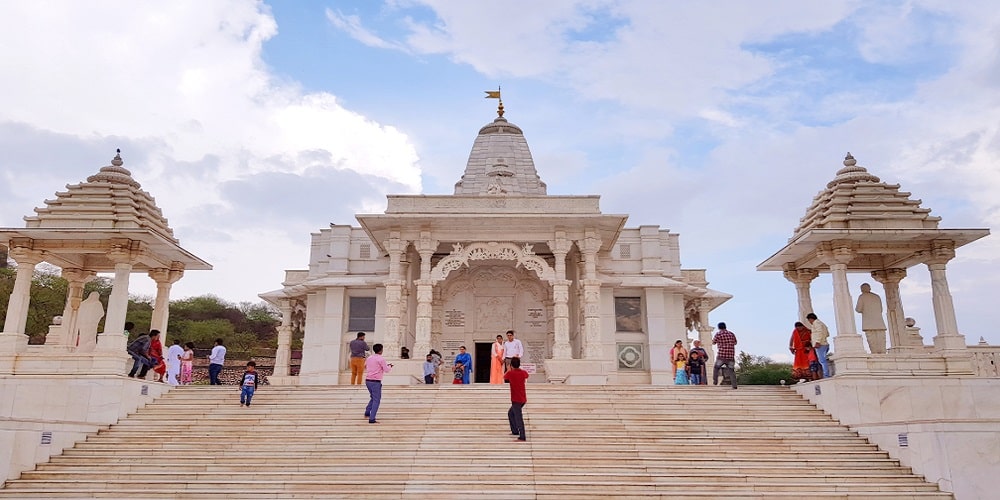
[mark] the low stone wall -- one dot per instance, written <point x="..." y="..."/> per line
<point x="41" y="415"/>
<point x="945" y="428"/>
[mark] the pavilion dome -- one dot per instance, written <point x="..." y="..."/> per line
<point x="109" y="199"/>
<point x="500" y="163"/>
<point x="856" y="199"/>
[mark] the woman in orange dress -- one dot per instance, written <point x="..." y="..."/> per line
<point x="797" y="344"/>
<point x="496" y="361"/>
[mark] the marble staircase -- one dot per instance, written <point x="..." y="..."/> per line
<point x="453" y="442"/>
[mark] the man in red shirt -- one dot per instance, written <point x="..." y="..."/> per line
<point x="518" y="398"/>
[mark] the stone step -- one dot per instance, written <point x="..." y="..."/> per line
<point x="679" y="467"/>
<point x="351" y="483"/>
<point x="852" y="461"/>
<point x="447" y="493"/>
<point x="416" y="473"/>
<point x="333" y="455"/>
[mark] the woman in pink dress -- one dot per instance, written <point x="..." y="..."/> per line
<point x="187" y="363"/>
<point x="496" y="362"/>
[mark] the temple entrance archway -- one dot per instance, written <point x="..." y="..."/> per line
<point x="488" y="298"/>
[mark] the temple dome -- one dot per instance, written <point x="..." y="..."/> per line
<point x="109" y="199"/>
<point x="500" y="164"/>
<point x="856" y="199"/>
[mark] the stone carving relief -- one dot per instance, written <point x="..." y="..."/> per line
<point x="630" y="357"/>
<point x="494" y="313"/>
<point x="523" y="256"/>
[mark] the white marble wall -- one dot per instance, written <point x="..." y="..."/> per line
<point x="68" y="406"/>
<point x="952" y="424"/>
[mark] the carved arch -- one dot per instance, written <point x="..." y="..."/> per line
<point x="522" y="255"/>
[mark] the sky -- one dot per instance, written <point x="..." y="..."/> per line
<point x="254" y="124"/>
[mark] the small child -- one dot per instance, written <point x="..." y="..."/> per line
<point x="429" y="369"/>
<point x="459" y="370"/>
<point x="694" y="367"/>
<point x="187" y="363"/>
<point x="815" y="369"/>
<point x="681" y="364"/>
<point x="249" y="384"/>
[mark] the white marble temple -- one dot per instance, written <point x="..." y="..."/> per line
<point x="578" y="287"/>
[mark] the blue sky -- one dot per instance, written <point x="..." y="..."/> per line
<point x="254" y="124"/>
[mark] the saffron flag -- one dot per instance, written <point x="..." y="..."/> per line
<point x="492" y="94"/>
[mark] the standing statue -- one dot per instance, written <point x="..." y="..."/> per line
<point x="870" y="307"/>
<point x="91" y="312"/>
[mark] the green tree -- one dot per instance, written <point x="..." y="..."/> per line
<point x="202" y="332"/>
<point x="761" y="370"/>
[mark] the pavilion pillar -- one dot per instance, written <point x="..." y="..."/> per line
<point x="164" y="278"/>
<point x="77" y="279"/>
<point x="561" y="348"/>
<point x="593" y="349"/>
<point x="948" y="341"/>
<point x="802" y="278"/>
<point x="890" y="278"/>
<point x="848" y="341"/>
<point x="13" y="341"/>
<point x="283" y="355"/>
<point x="113" y="338"/>
<point x="393" y="297"/>
<point x="425" y="297"/>
<point x="20" y="296"/>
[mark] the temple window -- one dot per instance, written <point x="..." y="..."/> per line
<point x="362" y="314"/>
<point x="628" y="314"/>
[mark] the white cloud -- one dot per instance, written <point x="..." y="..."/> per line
<point x="351" y="24"/>
<point x="183" y="89"/>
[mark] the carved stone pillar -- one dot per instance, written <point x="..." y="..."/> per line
<point x="802" y="278"/>
<point x="705" y="330"/>
<point x="561" y="348"/>
<point x="123" y="254"/>
<point x="164" y="278"/>
<point x="436" y="319"/>
<point x="425" y="296"/>
<point x="77" y="278"/>
<point x="890" y="278"/>
<point x="20" y="296"/>
<point x="947" y="337"/>
<point x="847" y="341"/>
<point x="283" y="356"/>
<point x="393" y="297"/>
<point x="591" y="298"/>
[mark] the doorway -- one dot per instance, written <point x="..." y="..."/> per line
<point x="481" y="362"/>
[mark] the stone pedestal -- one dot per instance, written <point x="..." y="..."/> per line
<point x="11" y="346"/>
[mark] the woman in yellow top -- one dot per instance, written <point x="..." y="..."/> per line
<point x="496" y="361"/>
